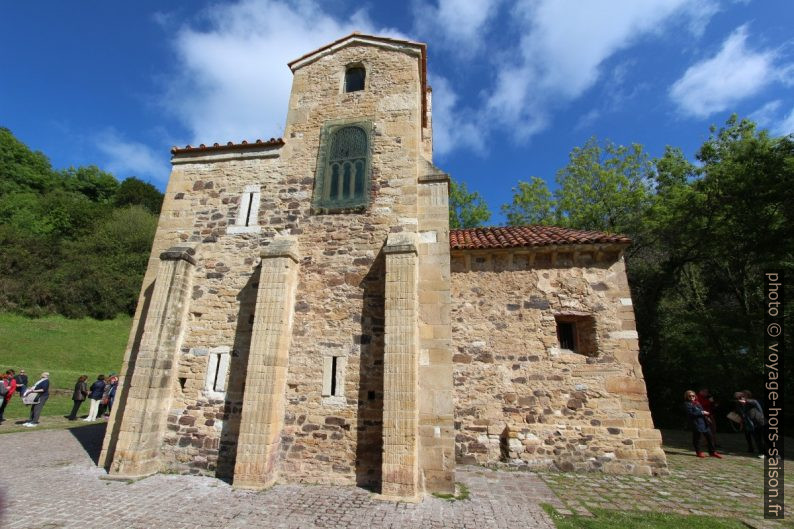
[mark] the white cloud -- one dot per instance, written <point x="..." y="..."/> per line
<point x="451" y="129"/>
<point x="786" y="126"/>
<point x="734" y="73"/>
<point x="459" y="24"/>
<point x="233" y="82"/>
<point x="564" y="46"/>
<point x="587" y="120"/>
<point x="126" y="158"/>
<point x="766" y="115"/>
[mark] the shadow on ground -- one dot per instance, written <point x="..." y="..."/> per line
<point x="730" y="443"/>
<point x="90" y="438"/>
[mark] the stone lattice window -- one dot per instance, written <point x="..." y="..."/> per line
<point x="247" y="219"/>
<point x="342" y="181"/>
<point x="354" y="79"/>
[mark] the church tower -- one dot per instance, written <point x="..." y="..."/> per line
<point x="294" y="323"/>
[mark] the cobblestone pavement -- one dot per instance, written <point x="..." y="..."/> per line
<point x="50" y="481"/>
<point x="731" y="487"/>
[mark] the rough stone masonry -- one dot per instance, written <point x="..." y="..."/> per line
<point x="308" y="316"/>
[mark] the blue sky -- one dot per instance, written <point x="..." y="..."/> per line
<point x="516" y="83"/>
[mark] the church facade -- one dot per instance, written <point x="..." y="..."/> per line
<point x="308" y="316"/>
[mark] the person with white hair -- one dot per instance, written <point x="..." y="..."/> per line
<point x="42" y="387"/>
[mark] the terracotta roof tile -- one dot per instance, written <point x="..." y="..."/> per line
<point x="230" y="146"/>
<point x="518" y="236"/>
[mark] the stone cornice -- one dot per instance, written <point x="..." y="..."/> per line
<point x="186" y="253"/>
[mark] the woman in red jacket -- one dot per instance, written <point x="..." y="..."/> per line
<point x="9" y="386"/>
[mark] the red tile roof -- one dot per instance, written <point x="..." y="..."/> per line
<point x="518" y="236"/>
<point x="230" y="146"/>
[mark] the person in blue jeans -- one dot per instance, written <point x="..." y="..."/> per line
<point x="42" y="387"/>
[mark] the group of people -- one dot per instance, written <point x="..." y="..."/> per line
<point x="101" y="394"/>
<point x="36" y="395"/>
<point x="747" y="414"/>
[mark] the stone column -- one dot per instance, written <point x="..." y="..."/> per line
<point x="262" y="417"/>
<point x="149" y="390"/>
<point x="400" y="370"/>
<point x="436" y="409"/>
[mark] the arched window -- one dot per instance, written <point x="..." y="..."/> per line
<point x="343" y="181"/>
<point x="354" y="79"/>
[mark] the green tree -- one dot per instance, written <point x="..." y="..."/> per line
<point x="466" y="210"/>
<point x="532" y="204"/>
<point x="133" y="191"/>
<point x="90" y="181"/>
<point x="604" y="187"/>
<point x="102" y="272"/>
<point x="713" y="230"/>
<point x="20" y="168"/>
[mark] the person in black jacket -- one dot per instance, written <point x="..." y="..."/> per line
<point x="79" y="395"/>
<point x="22" y="382"/>
<point x="95" y="396"/>
<point x="700" y="426"/>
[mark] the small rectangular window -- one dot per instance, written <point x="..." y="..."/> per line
<point x="566" y="335"/>
<point x="354" y="79"/>
<point x="577" y="333"/>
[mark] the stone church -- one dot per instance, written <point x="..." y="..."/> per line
<point x="308" y="316"/>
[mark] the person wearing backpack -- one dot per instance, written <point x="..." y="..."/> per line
<point x="7" y="387"/>
<point x="753" y="421"/>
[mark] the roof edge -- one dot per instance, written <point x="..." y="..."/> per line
<point x="229" y="146"/>
<point x="363" y="37"/>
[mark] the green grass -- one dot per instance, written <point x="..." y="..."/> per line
<point x="461" y="493"/>
<point x="608" y="519"/>
<point x="66" y="348"/>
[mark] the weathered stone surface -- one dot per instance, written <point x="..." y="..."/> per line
<point x="566" y="409"/>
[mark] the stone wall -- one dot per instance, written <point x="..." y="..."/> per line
<point x="520" y="399"/>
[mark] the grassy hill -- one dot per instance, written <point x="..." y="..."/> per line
<point x="66" y="348"/>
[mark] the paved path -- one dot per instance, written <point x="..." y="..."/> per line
<point x="59" y="486"/>
<point x="731" y="487"/>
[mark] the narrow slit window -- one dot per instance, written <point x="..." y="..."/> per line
<point x="217" y="372"/>
<point x="247" y="219"/>
<point x="248" y="213"/>
<point x="333" y="371"/>
<point x="334" y="363"/>
<point x="354" y="79"/>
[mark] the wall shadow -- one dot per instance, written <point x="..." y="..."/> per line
<point x="90" y="438"/>
<point x="238" y="367"/>
<point x="123" y="390"/>
<point x="369" y="433"/>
